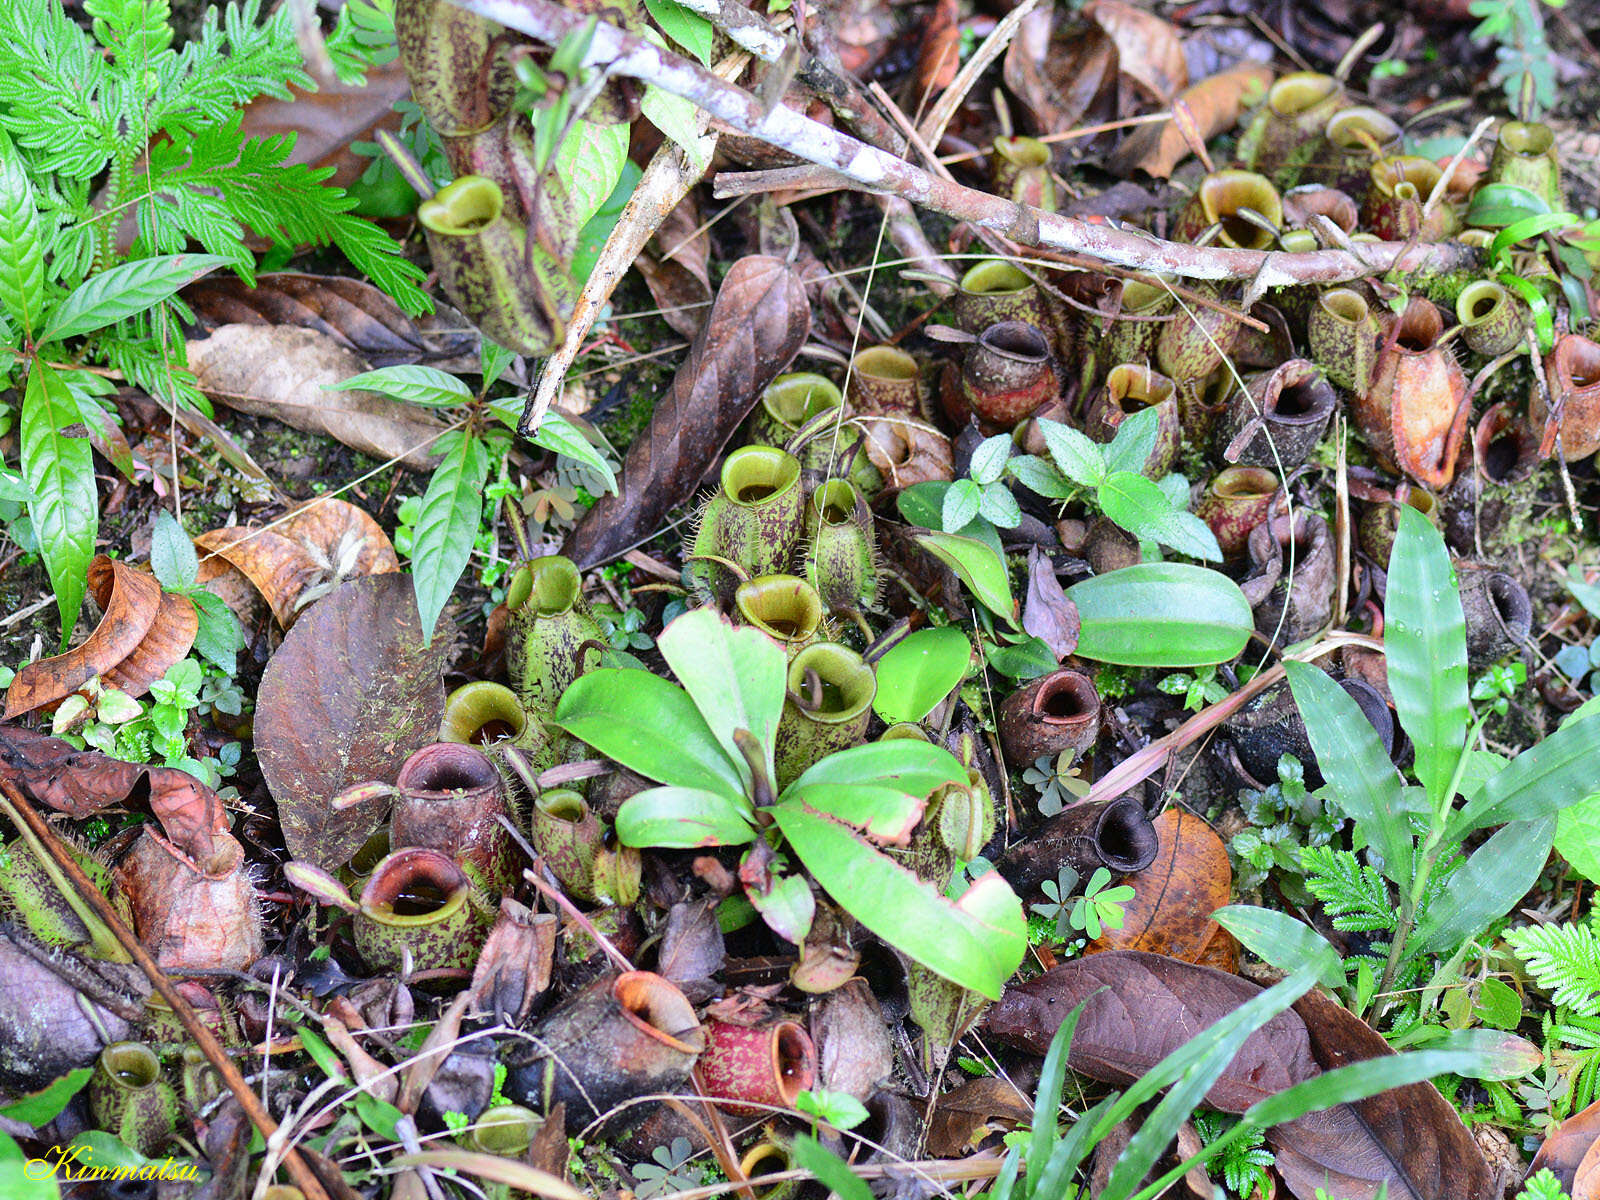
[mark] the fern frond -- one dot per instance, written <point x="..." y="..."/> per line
<point x="1355" y="896"/>
<point x="1565" y="961"/>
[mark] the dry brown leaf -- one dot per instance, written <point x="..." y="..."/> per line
<point x="1174" y="897"/>
<point x="676" y="269"/>
<point x="142" y="633"/>
<point x="343" y="534"/>
<point x="326" y="122"/>
<point x="192" y="914"/>
<point x="280" y="372"/>
<point x="1217" y="103"/>
<point x="358" y="315"/>
<point x="941" y="51"/>
<point x="1568" y="1146"/>
<point x="278" y="569"/>
<point x="972" y="1111"/>
<point x="1061" y="79"/>
<point x="1148" y="49"/>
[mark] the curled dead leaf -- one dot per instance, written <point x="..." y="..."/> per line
<point x="1568" y="1146"/>
<point x="142" y="633"/>
<point x="280" y="371"/>
<point x="1149" y="51"/>
<point x="1216" y="103"/>
<point x="676" y="269"/>
<point x="1061" y="79"/>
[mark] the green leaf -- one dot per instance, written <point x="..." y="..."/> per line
<point x="45" y="1105"/>
<point x="589" y="163"/>
<point x="125" y="291"/>
<point x="1425" y="636"/>
<point x="218" y="637"/>
<point x="1497" y="204"/>
<point x="413" y="384"/>
<point x="1541" y="781"/>
<point x="557" y="434"/>
<point x="683" y="818"/>
<point x="649" y="725"/>
<point x="1355" y="765"/>
<point x="60" y="471"/>
<point x="1047" y="1098"/>
<point x="1161" y="615"/>
<point x="787" y="906"/>
<point x="1498" y="874"/>
<point x="989" y="459"/>
<point x="446" y="525"/>
<point x="689" y="29"/>
<point x="1525" y="228"/>
<point x="885" y="813"/>
<point x="999" y="507"/>
<point x="1135" y="439"/>
<point x="831" y="1170"/>
<point x="977" y="952"/>
<point x="734" y="675"/>
<point x="378" y="1115"/>
<point x="1037" y="476"/>
<point x="1142" y="508"/>
<point x="597" y="229"/>
<point x="961" y="504"/>
<point x="19" y="1181"/>
<point x="679" y="119"/>
<point x="172" y="557"/>
<point x="905" y="764"/>
<point x="1076" y="457"/>
<point x="919" y="671"/>
<point x="1028" y="659"/>
<point x="1586" y="594"/>
<point x="22" y="242"/>
<point x="977" y="566"/>
<point x="1538" y="306"/>
<point x="1282" y="941"/>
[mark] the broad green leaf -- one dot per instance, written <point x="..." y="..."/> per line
<point x="1541" y="781"/>
<point x="975" y="952"/>
<point x="683" y="818"/>
<point x="919" y="671"/>
<point x="45" y="1105"/>
<point x="172" y="557"/>
<point x="1355" y="765"/>
<point x="588" y="163"/>
<point x="218" y="637"/>
<point x="1028" y="659"/>
<point x="679" y="119"/>
<point x="87" y="390"/>
<point x="19" y="1181"/>
<point x="831" y="1170"/>
<point x="1498" y="874"/>
<point x="1142" y="508"/>
<point x="883" y="812"/>
<point x="1195" y="1066"/>
<point x="999" y="507"/>
<point x="1282" y="941"/>
<point x="1135" y="438"/>
<point x="125" y="291"/>
<point x="413" y="384"/>
<point x="60" y="472"/>
<point x="557" y="434"/>
<point x="21" y="243"/>
<point x="1525" y="228"/>
<point x="446" y="525"/>
<point x="1038" y="476"/>
<point x="904" y="764"/>
<point x="734" y="675"/>
<point x="597" y="229"/>
<point x="989" y="459"/>
<point x="961" y="504"/>
<point x="977" y="566"/>
<point x="1161" y="615"/>
<point x="1586" y="594"/>
<point x="1076" y="457"/>
<point x="1425" y="636"/>
<point x="689" y="29"/>
<point x="1497" y="204"/>
<point x="378" y="1115"/>
<point x="649" y="725"/>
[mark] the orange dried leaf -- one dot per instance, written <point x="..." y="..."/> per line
<point x="1174" y="897"/>
<point x="1215" y="104"/>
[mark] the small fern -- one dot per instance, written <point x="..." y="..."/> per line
<point x="1543" y="1186"/>
<point x="1565" y="961"/>
<point x="1356" y="897"/>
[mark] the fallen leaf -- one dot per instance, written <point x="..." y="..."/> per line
<point x="1140" y="1008"/>
<point x="1046" y="612"/>
<point x="360" y="317"/>
<point x="676" y="271"/>
<point x="758" y="323"/>
<point x="1567" y="1146"/>
<point x="692" y="946"/>
<point x="1149" y="51"/>
<point x="1217" y="103"/>
<point x="325" y="122"/>
<point x="1061" y="79"/>
<point x="1174" y="897"/>
<point x="350" y="693"/>
<point x="941" y="51"/>
<point x="974" y="1110"/>
<point x="281" y="372"/>
<point x="142" y="633"/>
<point x="1408" y="1138"/>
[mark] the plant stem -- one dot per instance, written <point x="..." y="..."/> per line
<point x="875" y="171"/>
<point x="755" y="757"/>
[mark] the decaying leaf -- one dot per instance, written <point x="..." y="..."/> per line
<point x="142" y="633"/>
<point x="1174" y="897"/>
<point x="1568" y="1146"/>
<point x="1149" y="51"/>
<point x="359" y="316"/>
<point x="281" y="372"/>
<point x="198" y="914"/>
<point x="1217" y="103"/>
<point x="757" y="325"/>
<point x="327" y="121"/>
<point x="312" y="546"/>
<point x="1046" y="612"/>
<point x="1061" y="79"/>
<point x="1409" y="1138"/>
<point x="1140" y="1008"/>
<point x="977" y="1108"/>
<point x="676" y="268"/>
<point x="350" y="693"/>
